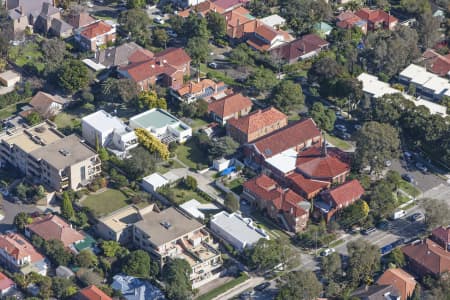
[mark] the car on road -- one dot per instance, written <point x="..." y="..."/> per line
<point x="417" y="217"/>
<point x="339" y="115"/>
<point x="408" y="178"/>
<point x="89" y="4"/>
<point x="421" y="167"/>
<point x="262" y="286"/>
<point x="408" y="155"/>
<point x="213" y="65"/>
<point x="398" y="214"/>
<point x="368" y="231"/>
<point x="384" y="225"/>
<point x="246" y="295"/>
<point x="357" y="127"/>
<point x="171" y="33"/>
<point x="341" y="127"/>
<point x="158" y="20"/>
<point x="327" y="252"/>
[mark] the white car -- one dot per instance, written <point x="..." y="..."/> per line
<point x="90" y="5"/>
<point x="327" y="252"/>
<point x="158" y="20"/>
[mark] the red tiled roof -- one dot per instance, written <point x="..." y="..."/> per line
<point x="227" y="4"/>
<point x="436" y="63"/>
<point x="174" y="56"/>
<point x="314" y="164"/>
<point x="374" y="16"/>
<point x="401" y="280"/>
<point x="257" y="120"/>
<point x="442" y="234"/>
<point x="5" y="282"/>
<point x="52" y="227"/>
<point x="346" y="193"/>
<point x="291" y="203"/>
<point x="287" y="137"/>
<point x="140" y="55"/>
<point x="304" y="45"/>
<point x="18" y="247"/>
<point x="307" y="185"/>
<point x="263" y="187"/>
<point x="429" y="256"/>
<point x="230" y="105"/>
<point x="79" y="20"/>
<point x="94" y="293"/>
<point x="93" y="30"/>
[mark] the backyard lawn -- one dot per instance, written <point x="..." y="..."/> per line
<point x="27" y="54"/>
<point x="106" y="202"/>
<point x="9" y="110"/>
<point x="191" y="155"/>
<point x="337" y="142"/>
<point x="235" y="185"/>
<point x="180" y="194"/>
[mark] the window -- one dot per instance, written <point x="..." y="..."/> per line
<point x="83" y="173"/>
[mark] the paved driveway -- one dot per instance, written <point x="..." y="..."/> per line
<point x="10" y="210"/>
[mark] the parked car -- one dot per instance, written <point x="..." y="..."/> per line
<point x="262" y="286"/>
<point x="343" y="135"/>
<point x="246" y="295"/>
<point x="368" y="231"/>
<point x="408" y="178"/>
<point x="213" y="65"/>
<point x="327" y="252"/>
<point x="357" y="127"/>
<point x="340" y="127"/>
<point x="408" y="155"/>
<point x="158" y="20"/>
<point x="388" y="163"/>
<point x="421" y="167"/>
<point x="398" y="214"/>
<point x="417" y="217"/>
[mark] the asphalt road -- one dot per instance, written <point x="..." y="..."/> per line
<point x="10" y="210"/>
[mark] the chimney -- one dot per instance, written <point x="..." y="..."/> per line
<point x="190" y="86"/>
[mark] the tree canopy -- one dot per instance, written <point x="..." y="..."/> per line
<point x="300" y="285"/>
<point x="363" y="261"/>
<point x="176" y="274"/>
<point x="287" y="95"/>
<point x="73" y="75"/>
<point x="137" y="264"/>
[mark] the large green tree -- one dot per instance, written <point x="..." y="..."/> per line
<point x="288" y="95"/>
<point x="301" y="15"/>
<point x="136" y="23"/>
<point x="217" y="25"/>
<point x="267" y="254"/>
<point x="73" y="75"/>
<point x="300" y="285"/>
<point x="332" y="266"/>
<point x="376" y="143"/>
<point x="54" y="51"/>
<point x="223" y="146"/>
<point x="437" y="212"/>
<point x="86" y="259"/>
<point x="137" y="264"/>
<point x="363" y="261"/>
<point x="324" y="117"/>
<point x="231" y="202"/>
<point x="262" y="80"/>
<point x="176" y="274"/>
<point x="67" y="210"/>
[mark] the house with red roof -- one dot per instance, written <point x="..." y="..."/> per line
<point x="338" y="198"/>
<point x="306" y="187"/>
<point x="377" y="19"/>
<point x="230" y="107"/>
<point x="240" y="23"/>
<point x="302" y="48"/>
<point x="348" y="19"/>
<point x="282" y="205"/>
<point x="95" y="35"/>
<point x="92" y="293"/>
<point x="51" y="227"/>
<point x="436" y="63"/>
<point x="227" y="5"/>
<point x="205" y="89"/>
<point x="201" y="9"/>
<point x="265" y="38"/>
<point x="441" y="235"/>
<point x="427" y="258"/>
<point x="256" y="125"/>
<point x="19" y="255"/>
<point x="166" y="68"/>
<point x="402" y="281"/>
<point x="6" y="284"/>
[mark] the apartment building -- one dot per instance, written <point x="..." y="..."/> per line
<point x="48" y="157"/>
<point x="171" y="234"/>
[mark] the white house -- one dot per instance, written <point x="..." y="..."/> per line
<point x="236" y="230"/>
<point x="102" y="129"/>
<point x="274" y="21"/>
<point x="162" y="125"/>
<point x="152" y="182"/>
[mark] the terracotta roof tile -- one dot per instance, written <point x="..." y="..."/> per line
<point x="18" y="247"/>
<point x="307" y="185"/>
<point x="197" y="87"/>
<point x="346" y="193"/>
<point x="377" y="15"/>
<point x="93" y="293"/>
<point x="79" y="20"/>
<point x="52" y="227"/>
<point x="403" y="282"/>
<point x="429" y="256"/>
<point x="5" y="282"/>
<point x="314" y="164"/>
<point x="230" y="105"/>
<point x="263" y="187"/>
<point x="140" y="55"/>
<point x="258" y="119"/>
<point x="287" y="137"/>
<point x="301" y="46"/>
<point x="93" y="30"/>
<point x="441" y="233"/>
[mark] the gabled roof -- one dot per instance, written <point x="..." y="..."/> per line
<point x="291" y="202"/>
<point x="348" y="192"/>
<point x="429" y="256"/>
<point x="436" y="63"/>
<point x="174" y="56"/>
<point x="52" y="227"/>
<point x="286" y="138"/>
<point x="93" y="293"/>
<point x="202" y="8"/>
<point x="197" y="87"/>
<point x="299" y="47"/>
<point x="227" y="4"/>
<point x="95" y="29"/>
<point x="307" y="185"/>
<point x="5" y="282"/>
<point x="263" y="187"/>
<point x="229" y="105"/>
<point x="18" y="247"/>
<point x="315" y="164"/>
<point x="118" y="56"/>
<point x="441" y="233"/>
<point x="375" y="292"/>
<point x="403" y="282"/>
<point x="80" y="19"/>
<point x="257" y="120"/>
<point x="140" y="55"/>
<point x="41" y="102"/>
<point x="376" y="15"/>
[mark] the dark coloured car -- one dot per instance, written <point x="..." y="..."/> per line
<point x="417" y="217"/>
<point x="368" y="230"/>
<point x="408" y="178"/>
<point x="262" y="286"/>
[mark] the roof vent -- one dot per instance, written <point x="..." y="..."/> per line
<point x="166" y="224"/>
<point x="64" y="152"/>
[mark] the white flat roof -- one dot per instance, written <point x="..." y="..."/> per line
<point x="420" y="76"/>
<point x="155" y="180"/>
<point x="377" y="88"/>
<point x="193" y="207"/>
<point x="9" y="75"/>
<point x="103" y="121"/>
<point x="273" y="20"/>
<point x="284" y="161"/>
<point x="93" y="65"/>
<point x="239" y="227"/>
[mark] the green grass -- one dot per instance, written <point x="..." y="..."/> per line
<point x="235" y="185"/>
<point x="106" y="202"/>
<point x="64" y="120"/>
<point x="337" y="142"/>
<point x="27" y="54"/>
<point x="166" y="167"/>
<point x="198" y="123"/>
<point x="179" y="194"/>
<point x="9" y="110"/>
<point x="409" y="189"/>
<point x="191" y="155"/>
<point x="223" y="288"/>
<point x="218" y="75"/>
<point x="270" y="227"/>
